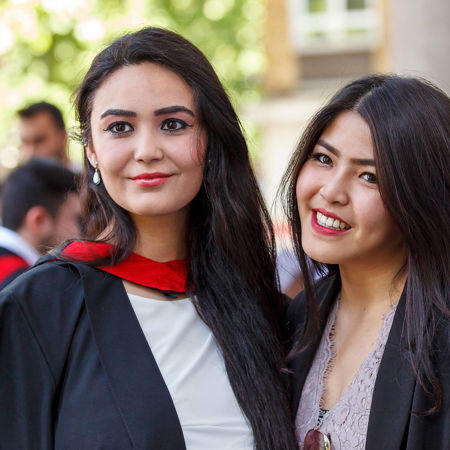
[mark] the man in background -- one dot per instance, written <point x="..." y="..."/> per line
<point x="42" y="133"/>
<point x="40" y="209"/>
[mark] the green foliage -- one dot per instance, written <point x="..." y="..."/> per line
<point x="53" y="42"/>
<point x="315" y="6"/>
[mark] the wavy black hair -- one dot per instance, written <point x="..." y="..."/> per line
<point x="409" y="121"/>
<point x="230" y="239"/>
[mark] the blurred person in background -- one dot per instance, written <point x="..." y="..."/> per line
<point x="41" y="209"/>
<point x="162" y="329"/>
<point x="42" y="133"/>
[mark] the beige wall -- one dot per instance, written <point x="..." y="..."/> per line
<point x="419" y="39"/>
<point x="282" y="71"/>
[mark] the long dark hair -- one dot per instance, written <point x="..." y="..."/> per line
<point x="230" y="238"/>
<point x="409" y="120"/>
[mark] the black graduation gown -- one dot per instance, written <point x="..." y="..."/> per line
<point x="76" y="371"/>
<point x="396" y="393"/>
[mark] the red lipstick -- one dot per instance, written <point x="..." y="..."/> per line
<point x="151" y="179"/>
<point x="325" y="230"/>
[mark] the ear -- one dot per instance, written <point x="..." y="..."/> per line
<point x="89" y="149"/>
<point x="37" y="223"/>
<point x="37" y="218"/>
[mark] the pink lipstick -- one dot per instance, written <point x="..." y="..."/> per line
<point x="323" y="229"/>
<point x="151" y="179"/>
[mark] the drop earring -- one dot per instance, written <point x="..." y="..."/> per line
<point x="96" y="178"/>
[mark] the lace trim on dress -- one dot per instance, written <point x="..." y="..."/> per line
<point x="329" y="360"/>
<point x="347" y="421"/>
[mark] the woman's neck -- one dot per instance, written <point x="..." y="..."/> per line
<point x="372" y="286"/>
<point x="162" y="238"/>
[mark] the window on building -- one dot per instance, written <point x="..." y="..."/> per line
<point x="333" y="25"/>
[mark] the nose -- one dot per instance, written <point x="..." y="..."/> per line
<point x="335" y="189"/>
<point x="148" y="146"/>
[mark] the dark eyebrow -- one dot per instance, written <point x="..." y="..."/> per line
<point x="173" y="109"/>
<point x="329" y="147"/>
<point x="335" y="151"/>
<point x="363" y="162"/>
<point x="118" y="112"/>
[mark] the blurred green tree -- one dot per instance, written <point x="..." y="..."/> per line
<point x="47" y="45"/>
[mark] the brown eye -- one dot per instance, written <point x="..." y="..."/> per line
<point x="119" y="128"/>
<point x="322" y="159"/>
<point x="174" y="125"/>
<point x="369" y="177"/>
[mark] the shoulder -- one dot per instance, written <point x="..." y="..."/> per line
<point x="296" y="308"/>
<point x="49" y="293"/>
<point x="52" y="276"/>
<point x="41" y="310"/>
<point x="11" y="266"/>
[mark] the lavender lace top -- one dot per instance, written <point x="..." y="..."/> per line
<point x="347" y="421"/>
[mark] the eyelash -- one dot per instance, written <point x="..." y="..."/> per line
<point x="320" y="157"/>
<point x="111" y="127"/>
<point x="181" y="124"/>
<point x="372" y="175"/>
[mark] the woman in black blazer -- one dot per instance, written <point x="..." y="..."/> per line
<point x="160" y="330"/>
<point x="368" y="194"/>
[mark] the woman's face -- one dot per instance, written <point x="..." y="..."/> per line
<point x="147" y="141"/>
<point x="342" y="215"/>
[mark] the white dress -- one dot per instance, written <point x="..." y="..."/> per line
<point x="194" y="372"/>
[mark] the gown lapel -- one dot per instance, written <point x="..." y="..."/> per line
<point x="136" y="382"/>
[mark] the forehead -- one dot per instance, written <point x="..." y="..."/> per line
<point x="350" y="134"/>
<point x="147" y="85"/>
<point x="42" y="121"/>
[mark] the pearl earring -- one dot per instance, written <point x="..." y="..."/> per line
<point x="96" y="178"/>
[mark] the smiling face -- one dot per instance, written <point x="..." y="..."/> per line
<point x="147" y="141"/>
<point x="343" y="217"/>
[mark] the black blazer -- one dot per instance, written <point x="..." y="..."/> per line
<point x="392" y="426"/>
<point x="76" y="371"/>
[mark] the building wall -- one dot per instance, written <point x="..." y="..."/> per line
<point x="419" y="36"/>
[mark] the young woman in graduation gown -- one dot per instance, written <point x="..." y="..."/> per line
<point x="368" y="199"/>
<point x="161" y="330"/>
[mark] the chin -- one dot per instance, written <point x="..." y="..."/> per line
<point x="324" y="256"/>
<point x="157" y="210"/>
<point x="323" y="260"/>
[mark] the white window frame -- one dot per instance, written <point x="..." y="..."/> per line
<point x="333" y="24"/>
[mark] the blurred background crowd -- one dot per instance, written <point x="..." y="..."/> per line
<point x="279" y="60"/>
